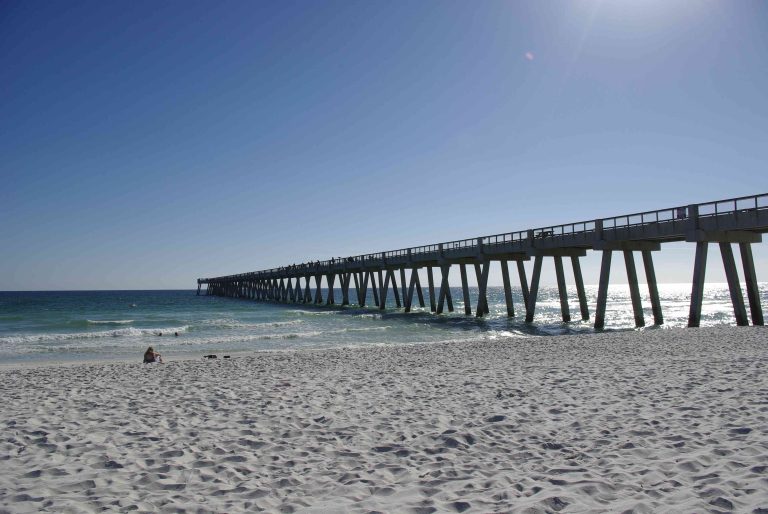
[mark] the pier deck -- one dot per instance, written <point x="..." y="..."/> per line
<point x="739" y="221"/>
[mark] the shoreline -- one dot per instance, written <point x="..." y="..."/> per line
<point x="652" y="420"/>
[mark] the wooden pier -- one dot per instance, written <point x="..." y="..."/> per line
<point x="726" y="222"/>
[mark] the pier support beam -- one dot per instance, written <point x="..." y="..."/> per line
<point x="465" y="289"/>
<point x="408" y="296"/>
<point x="307" y="290"/>
<point x="361" y="286"/>
<point x="414" y="286"/>
<point x="524" y="287"/>
<point x="753" y="294"/>
<point x="627" y="248"/>
<point x="431" y="284"/>
<point x="558" y="255"/>
<point x="344" y="279"/>
<point x="330" y="278"/>
<point x="374" y="289"/>
<point x="534" y="291"/>
<point x="482" y="282"/>
<point x="395" y="292"/>
<point x="403" y="283"/>
<point x="507" y="288"/>
<point x="602" y="289"/>
<point x="357" y="278"/>
<point x="561" y="289"/>
<point x="575" y="263"/>
<point x="482" y="288"/>
<point x="737" y="298"/>
<point x="419" y="289"/>
<point x="318" y="290"/>
<point x="634" y="288"/>
<point x="697" y="289"/>
<point x="653" y="288"/>
<point x="445" y="292"/>
<point x="298" y="293"/>
<point x="724" y="238"/>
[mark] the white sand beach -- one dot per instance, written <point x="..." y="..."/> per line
<point x="653" y="421"/>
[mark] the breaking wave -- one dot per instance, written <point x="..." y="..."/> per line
<point x="231" y="323"/>
<point x="123" y="332"/>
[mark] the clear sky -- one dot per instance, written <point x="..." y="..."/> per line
<point x="145" y="144"/>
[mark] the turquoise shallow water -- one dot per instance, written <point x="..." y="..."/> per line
<point x="84" y="325"/>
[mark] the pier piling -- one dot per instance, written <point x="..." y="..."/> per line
<point x="738" y="220"/>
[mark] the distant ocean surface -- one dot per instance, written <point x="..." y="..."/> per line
<point x="88" y="325"/>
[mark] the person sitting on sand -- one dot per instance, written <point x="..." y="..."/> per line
<point x="152" y="356"/>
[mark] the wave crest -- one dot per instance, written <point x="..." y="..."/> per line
<point x="122" y="332"/>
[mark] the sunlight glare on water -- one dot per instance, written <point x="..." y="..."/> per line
<point x="39" y="326"/>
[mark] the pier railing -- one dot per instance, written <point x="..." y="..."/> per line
<point x="749" y="213"/>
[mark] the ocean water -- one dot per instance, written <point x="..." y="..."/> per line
<point x="88" y="325"/>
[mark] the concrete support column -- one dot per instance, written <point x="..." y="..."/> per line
<point x="403" y="285"/>
<point x="408" y="296"/>
<point x="291" y="291"/>
<point x="634" y="288"/>
<point x="561" y="289"/>
<point x="444" y="270"/>
<point x="465" y="289"/>
<point x="362" y="292"/>
<point x="318" y="290"/>
<point x="482" y="300"/>
<point x="419" y="290"/>
<point x="383" y="286"/>
<point x="307" y="290"/>
<point x="344" y="278"/>
<point x="482" y="283"/>
<point x="298" y="293"/>
<point x="753" y="294"/>
<point x="524" y="286"/>
<point x="507" y="288"/>
<point x="534" y="289"/>
<point x="697" y="289"/>
<point x="374" y="289"/>
<point x="734" y="287"/>
<point x="653" y="288"/>
<point x="431" y="284"/>
<point x="330" y="278"/>
<point x="356" y="278"/>
<point x="583" y="307"/>
<point x="602" y="289"/>
<point x="395" y="292"/>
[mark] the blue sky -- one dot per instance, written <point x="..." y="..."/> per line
<point x="145" y="144"/>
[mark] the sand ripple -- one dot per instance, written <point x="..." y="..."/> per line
<point x="665" y="420"/>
